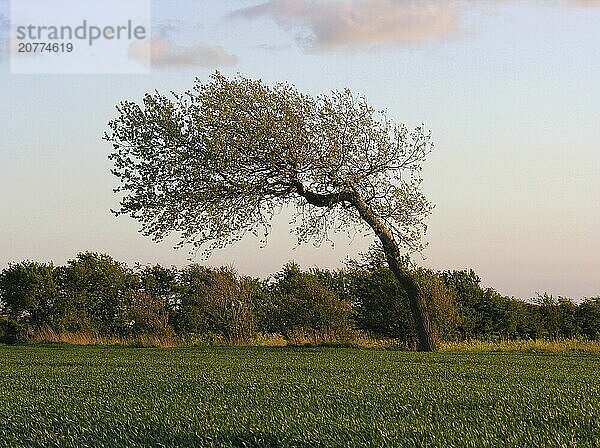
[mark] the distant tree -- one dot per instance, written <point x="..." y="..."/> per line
<point x="222" y="159"/>
<point x="160" y="282"/>
<point x="588" y="317"/>
<point x="98" y="293"/>
<point x="299" y="306"/>
<point x="215" y="301"/>
<point x="550" y="315"/>
<point x="465" y="285"/>
<point x="517" y="319"/>
<point x="568" y="317"/>
<point x="148" y="316"/>
<point x="28" y="292"/>
<point x="483" y="311"/>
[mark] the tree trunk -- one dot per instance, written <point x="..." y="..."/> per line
<point x="418" y="306"/>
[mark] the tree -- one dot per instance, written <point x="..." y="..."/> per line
<point x="220" y="160"/>
<point x="149" y="316"/>
<point x="549" y="311"/>
<point x="381" y="303"/>
<point x="568" y="320"/>
<point x="98" y="293"/>
<point x="161" y="282"/>
<point x="300" y="307"/>
<point x="588" y="317"/>
<point x="216" y="301"/>
<point x="28" y="292"/>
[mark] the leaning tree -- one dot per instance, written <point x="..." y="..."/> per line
<point x="220" y="160"/>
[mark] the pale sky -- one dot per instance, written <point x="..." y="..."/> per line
<point x="509" y="89"/>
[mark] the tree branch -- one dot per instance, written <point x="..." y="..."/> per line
<point x="323" y="200"/>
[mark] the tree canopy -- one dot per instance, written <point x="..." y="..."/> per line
<point x="222" y="159"/>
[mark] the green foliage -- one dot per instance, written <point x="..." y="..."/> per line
<point x="161" y="283"/>
<point x="442" y="304"/>
<point x="382" y="304"/>
<point x="216" y="301"/>
<point x="558" y="317"/>
<point x="99" y="297"/>
<point x="568" y="324"/>
<point x="98" y="294"/>
<point x="484" y="313"/>
<point x="11" y="331"/>
<point x="148" y="316"/>
<point x="301" y="308"/>
<point x="218" y="161"/>
<point x="28" y="292"/>
<point x="588" y="314"/>
<point x="290" y="397"/>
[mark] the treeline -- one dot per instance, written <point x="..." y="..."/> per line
<point x="94" y="293"/>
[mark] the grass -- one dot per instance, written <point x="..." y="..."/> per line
<point x="50" y="336"/>
<point x="540" y="345"/>
<point x="57" y="395"/>
<point x="358" y="340"/>
<point x="47" y="335"/>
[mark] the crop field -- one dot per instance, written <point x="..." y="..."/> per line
<point x="251" y="396"/>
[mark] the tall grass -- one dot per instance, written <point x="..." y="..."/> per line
<point x="48" y="335"/>
<point x="359" y="340"/>
<point x="560" y="346"/>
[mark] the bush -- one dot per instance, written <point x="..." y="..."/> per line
<point x="28" y="292"/>
<point x="11" y="332"/>
<point x="149" y="317"/>
<point x="441" y="302"/>
<point x="215" y="301"/>
<point x="298" y="306"/>
<point x="383" y="308"/>
<point x="97" y="295"/>
<point x="96" y="298"/>
<point x="588" y="318"/>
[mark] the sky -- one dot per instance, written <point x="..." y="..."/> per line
<point x="508" y="88"/>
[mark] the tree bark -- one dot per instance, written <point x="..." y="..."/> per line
<point x="418" y="306"/>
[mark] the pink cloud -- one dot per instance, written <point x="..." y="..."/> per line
<point x="587" y="3"/>
<point x="164" y="53"/>
<point x="326" y="24"/>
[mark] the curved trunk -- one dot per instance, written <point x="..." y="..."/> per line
<point x="418" y="306"/>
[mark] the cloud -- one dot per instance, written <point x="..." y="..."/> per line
<point x="164" y="53"/>
<point x="587" y="3"/>
<point x="323" y="25"/>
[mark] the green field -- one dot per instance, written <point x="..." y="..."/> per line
<point x="226" y="396"/>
